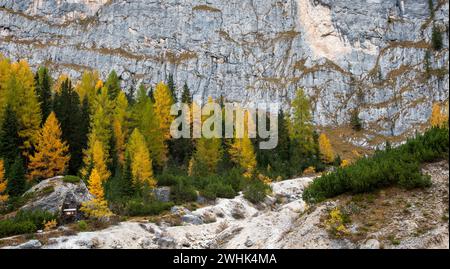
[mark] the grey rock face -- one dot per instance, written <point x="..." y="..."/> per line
<point x="51" y="194"/>
<point x="374" y="56"/>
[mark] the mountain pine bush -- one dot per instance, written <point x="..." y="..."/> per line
<point x="399" y="166"/>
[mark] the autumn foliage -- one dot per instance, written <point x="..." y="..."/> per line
<point x="51" y="153"/>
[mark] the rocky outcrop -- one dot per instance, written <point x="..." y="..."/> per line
<point x="53" y="193"/>
<point x="374" y="56"/>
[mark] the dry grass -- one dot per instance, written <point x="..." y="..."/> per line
<point x="206" y="8"/>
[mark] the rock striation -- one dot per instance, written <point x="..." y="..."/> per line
<point x="374" y="56"/>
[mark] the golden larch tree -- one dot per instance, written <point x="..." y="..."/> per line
<point x="120" y="118"/>
<point x="3" y="184"/>
<point x="325" y="148"/>
<point x="439" y="117"/>
<point x="141" y="162"/>
<point x="51" y="153"/>
<point x="98" y="207"/>
<point x="163" y="102"/>
<point x="21" y="95"/>
<point x="99" y="161"/>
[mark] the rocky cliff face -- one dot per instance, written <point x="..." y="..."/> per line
<point x="373" y="55"/>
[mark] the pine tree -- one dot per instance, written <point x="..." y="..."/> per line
<point x="51" y="153"/>
<point x="436" y="38"/>
<point x="144" y="118"/>
<point x="125" y="188"/>
<point x="186" y="97"/>
<point x="326" y="150"/>
<point x="98" y="207"/>
<point x="163" y="103"/>
<point x="16" y="178"/>
<point x="3" y="184"/>
<point x="23" y="100"/>
<point x="181" y="149"/>
<point x="172" y="87"/>
<point x="70" y="115"/>
<point x="9" y="137"/>
<point x="113" y="85"/>
<point x="43" y="83"/>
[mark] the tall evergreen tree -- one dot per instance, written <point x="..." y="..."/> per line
<point x="113" y="85"/>
<point x="43" y="82"/>
<point x="172" y="87"/>
<point x="10" y="141"/>
<point x="16" y="178"/>
<point x="73" y="126"/>
<point x="186" y="97"/>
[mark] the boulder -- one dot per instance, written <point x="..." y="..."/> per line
<point x="32" y="244"/>
<point x="371" y="244"/>
<point x="192" y="219"/>
<point x="54" y="194"/>
<point x="162" y="194"/>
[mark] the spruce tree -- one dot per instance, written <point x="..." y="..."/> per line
<point x="172" y="87"/>
<point x="73" y="126"/>
<point x="9" y="137"/>
<point x="186" y="97"/>
<point x="43" y="82"/>
<point x="16" y="178"/>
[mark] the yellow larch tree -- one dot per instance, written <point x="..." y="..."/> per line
<point x="51" y="153"/>
<point x="99" y="161"/>
<point x="163" y="102"/>
<point x="120" y="118"/>
<point x="325" y="148"/>
<point x="241" y="150"/>
<point x="439" y="116"/>
<point x="208" y="153"/>
<point x="88" y="85"/>
<point x="141" y="163"/>
<point x="144" y="118"/>
<point x="21" y="95"/>
<point x="98" y="207"/>
<point x="100" y="129"/>
<point x="3" y="184"/>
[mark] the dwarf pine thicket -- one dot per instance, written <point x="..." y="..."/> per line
<point x="119" y="144"/>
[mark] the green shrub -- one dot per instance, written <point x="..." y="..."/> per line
<point x="256" y="191"/>
<point x="71" y="179"/>
<point x="399" y="166"/>
<point x="436" y="39"/>
<point x="183" y="192"/>
<point x="82" y="225"/>
<point x="138" y="207"/>
<point x="218" y="189"/>
<point x="11" y="227"/>
<point x="25" y="222"/>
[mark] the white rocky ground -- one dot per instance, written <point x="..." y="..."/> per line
<point x="285" y="221"/>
